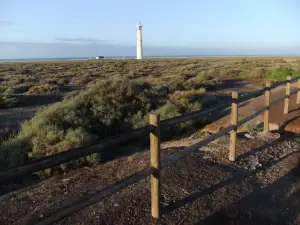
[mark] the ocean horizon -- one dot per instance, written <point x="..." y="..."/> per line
<point x="133" y="57"/>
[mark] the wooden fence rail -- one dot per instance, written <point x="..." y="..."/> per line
<point x="156" y="165"/>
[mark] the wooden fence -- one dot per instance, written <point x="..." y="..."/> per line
<point x="156" y="165"/>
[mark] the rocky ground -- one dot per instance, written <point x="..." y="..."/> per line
<point x="260" y="187"/>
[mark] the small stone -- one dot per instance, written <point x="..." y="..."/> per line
<point x="247" y="135"/>
<point x="205" y="148"/>
<point x="207" y="157"/>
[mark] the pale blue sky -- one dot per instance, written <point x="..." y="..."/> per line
<point x="53" y="26"/>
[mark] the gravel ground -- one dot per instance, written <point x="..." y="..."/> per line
<point x="12" y="118"/>
<point x="261" y="187"/>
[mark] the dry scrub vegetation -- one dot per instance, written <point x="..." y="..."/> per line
<point x="116" y="97"/>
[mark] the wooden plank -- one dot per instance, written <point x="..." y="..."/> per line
<point x="250" y="95"/>
<point x="155" y="163"/>
<point x="54" y="160"/>
<point x="111" y="189"/>
<point x="267" y="104"/>
<point x="192" y="115"/>
<point x="298" y="92"/>
<point x="287" y="95"/>
<point x="234" y="120"/>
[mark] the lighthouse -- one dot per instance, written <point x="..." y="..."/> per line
<point x="139" y="43"/>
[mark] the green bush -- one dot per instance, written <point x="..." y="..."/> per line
<point x="104" y="109"/>
<point x="170" y="109"/>
<point x="257" y="73"/>
<point x="19" y="89"/>
<point x="280" y="74"/>
<point x="252" y="127"/>
<point x="11" y="102"/>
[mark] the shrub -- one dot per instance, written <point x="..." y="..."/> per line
<point x="170" y="109"/>
<point x="71" y="94"/>
<point x="49" y="81"/>
<point x="22" y="88"/>
<point x="195" y="82"/>
<point x="279" y="73"/>
<point x="190" y="94"/>
<point x="51" y="140"/>
<point x="252" y="127"/>
<point x="11" y="102"/>
<point x="62" y="81"/>
<point x="279" y="60"/>
<point x="43" y="89"/>
<point x="109" y="105"/>
<point x="80" y="80"/>
<point x="257" y="73"/>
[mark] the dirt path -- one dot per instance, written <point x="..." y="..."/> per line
<point x="290" y="122"/>
<point x="261" y="187"/>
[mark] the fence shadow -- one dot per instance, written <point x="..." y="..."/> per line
<point x="286" y="123"/>
<point x="294" y="110"/>
<point x="237" y="175"/>
<point x="39" y="100"/>
<point x="270" y="205"/>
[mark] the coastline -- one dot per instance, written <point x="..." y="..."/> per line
<point x="145" y="57"/>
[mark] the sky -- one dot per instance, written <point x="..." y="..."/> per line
<point x="75" y="28"/>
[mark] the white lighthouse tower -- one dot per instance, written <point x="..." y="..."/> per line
<point x="139" y="43"/>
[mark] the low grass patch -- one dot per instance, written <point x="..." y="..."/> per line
<point x="281" y="74"/>
<point x="253" y="127"/>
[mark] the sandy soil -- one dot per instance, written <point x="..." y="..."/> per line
<point x="289" y="122"/>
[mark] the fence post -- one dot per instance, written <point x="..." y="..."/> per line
<point x="287" y="95"/>
<point x="234" y="120"/>
<point x="155" y="162"/>
<point x="298" y="92"/>
<point x="267" y="103"/>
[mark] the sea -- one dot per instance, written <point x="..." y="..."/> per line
<point x="86" y="58"/>
<point x="126" y="57"/>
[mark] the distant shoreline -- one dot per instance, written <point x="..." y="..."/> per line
<point x="145" y="57"/>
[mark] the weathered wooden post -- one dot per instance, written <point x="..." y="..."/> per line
<point x="234" y="120"/>
<point x="267" y="103"/>
<point x="298" y="92"/>
<point x="155" y="163"/>
<point x="287" y="95"/>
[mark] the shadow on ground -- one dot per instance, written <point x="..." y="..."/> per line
<point x="39" y="100"/>
<point x="276" y="203"/>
